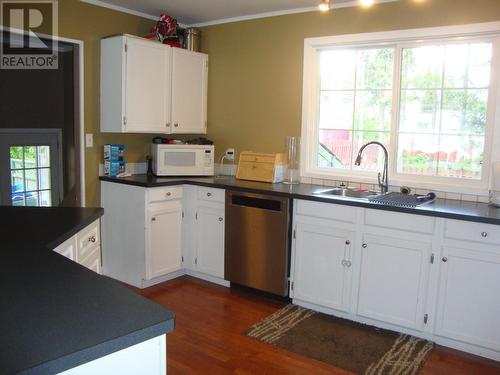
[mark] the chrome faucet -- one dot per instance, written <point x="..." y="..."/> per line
<point x="383" y="180"/>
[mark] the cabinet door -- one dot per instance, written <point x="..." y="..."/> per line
<point x="323" y="265"/>
<point x="469" y="296"/>
<point x="163" y="248"/>
<point x="189" y="92"/>
<point x="147" y="86"/>
<point x="394" y="275"/>
<point x="210" y="241"/>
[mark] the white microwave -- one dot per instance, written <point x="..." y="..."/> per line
<point x="183" y="160"/>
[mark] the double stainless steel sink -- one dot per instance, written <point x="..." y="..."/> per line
<point x="347" y="193"/>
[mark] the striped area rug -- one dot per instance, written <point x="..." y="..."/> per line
<point x="356" y="347"/>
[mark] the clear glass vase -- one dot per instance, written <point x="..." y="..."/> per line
<point x="292" y="175"/>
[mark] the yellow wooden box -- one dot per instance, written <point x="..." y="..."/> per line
<point x="257" y="166"/>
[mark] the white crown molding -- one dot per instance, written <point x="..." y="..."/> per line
<point x="118" y="8"/>
<point x="348" y="4"/>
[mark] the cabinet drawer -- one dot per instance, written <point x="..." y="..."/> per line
<point x="164" y="194"/>
<point x="478" y="232"/>
<point x="257" y="158"/>
<point x="211" y="194"/>
<point x="93" y="260"/>
<point x="87" y="240"/>
<point x="397" y="220"/>
<point x="327" y="211"/>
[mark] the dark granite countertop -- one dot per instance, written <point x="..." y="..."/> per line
<point x="54" y="313"/>
<point x="446" y="208"/>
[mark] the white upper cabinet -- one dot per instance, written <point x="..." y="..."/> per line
<point x="147" y="81"/>
<point x="140" y="86"/>
<point x="189" y="92"/>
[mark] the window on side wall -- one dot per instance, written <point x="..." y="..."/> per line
<point x="430" y="102"/>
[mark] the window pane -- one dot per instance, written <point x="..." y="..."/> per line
<point x="336" y="110"/>
<point x="18" y="199"/>
<point x="43" y="156"/>
<point x="44" y="178"/>
<point x="375" y="68"/>
<point x="480" y="65"/>
<point x="417" y="154"/>
<point x="31" y="179"/>
<point x="373" y="155"/>
<point x="30" y="157"/>
<point x="16" y="157"/>
<point x="17" y="181"/>
<point x="455" y="65"/>
<point x="337" y="69"/>
<point x="464" y="111"/>
<point x="32" y="198"/>
<point x="335" y="149"/>
<point x="45" y="198"/>
<point x="461" y="156"/>
<point x="373" y="110"/>
<point x="422" y="67"/>
<point x="419" y="110"/>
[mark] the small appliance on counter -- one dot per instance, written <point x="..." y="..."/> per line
<point x="256" y="166"/>
<point x="114" y="159"/>
<point x="182" y="159"/>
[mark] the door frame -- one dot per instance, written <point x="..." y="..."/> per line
<point x="79" y="100"/>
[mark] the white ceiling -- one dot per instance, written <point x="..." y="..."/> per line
<point x="202" y="12"/>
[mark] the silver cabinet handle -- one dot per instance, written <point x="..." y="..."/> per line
<point x="445" y="259"/>
<point x="209" y="194"/>
<point x="220" y="219"/>
<point x="92" y="239"/>
<point x="346" y="263"/>
<point x="484" y="234"/>
<point x="364" y="246"/>
<point x="168" y="125"/>
<point x="153" y="219"/>
<point x="168" y="194"/>
<point x="347" y="242"/>
<point x="176" y="125"/>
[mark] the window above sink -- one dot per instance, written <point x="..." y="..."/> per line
<point x="428" y="95"/>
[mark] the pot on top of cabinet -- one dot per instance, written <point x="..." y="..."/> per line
<point x="149" y="87"/>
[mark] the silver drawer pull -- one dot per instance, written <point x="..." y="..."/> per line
<point x="347" y="242"/>
<point x="444" y="259"/>
<point x="153" y="219"/>
<point x="484" y="234"/>
<point x="92" y="239"/>
<point x="209" y="194"/>
<point x="176" y="125"/>
<point x="364" y="246"/>
<point x="220" y="219"/>
<point x="168" y="194"/>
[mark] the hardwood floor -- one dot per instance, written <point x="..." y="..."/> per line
<point x="208" y="339"/>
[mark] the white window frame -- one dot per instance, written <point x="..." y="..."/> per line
<point x="402" y="38"/>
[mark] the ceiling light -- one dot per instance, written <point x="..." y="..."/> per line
<point x="324" y="5"/>
<point x="366" y="3"/>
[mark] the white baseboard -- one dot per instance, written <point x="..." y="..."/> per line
<point x="212" y="279"/>
<point x="161" y="279"/>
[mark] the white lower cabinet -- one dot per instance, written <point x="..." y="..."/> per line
<point x="393" y="280"/>
<point x="322" y="269"/>
<point x="84" y="247"/>
<point x="209" y="257"/>
<point x="468" y="306"/>
<point x="163" y="239"/>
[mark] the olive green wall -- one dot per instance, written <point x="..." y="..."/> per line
<point x="255" y="74"/>
<point x="90" y="23"/>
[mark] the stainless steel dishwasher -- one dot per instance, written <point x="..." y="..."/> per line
<point x="256" y="241"/>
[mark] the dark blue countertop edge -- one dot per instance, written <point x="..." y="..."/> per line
<point x="100" y="350"/>
<point x="444" y="208"/>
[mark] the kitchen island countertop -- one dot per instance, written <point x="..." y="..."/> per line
<point x="446" y="208"/>
<point x="55" y="314"/>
